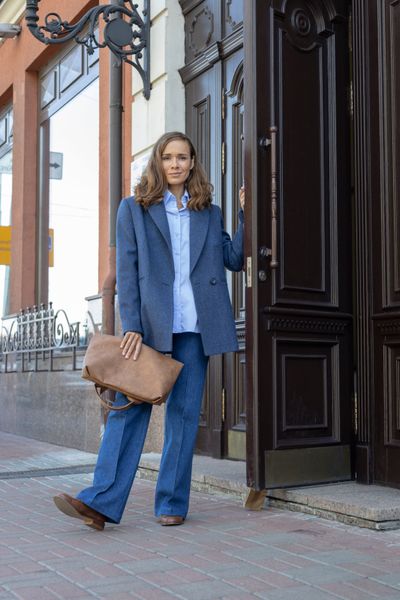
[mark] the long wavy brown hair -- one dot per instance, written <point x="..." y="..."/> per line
<point x="153" y="183"/>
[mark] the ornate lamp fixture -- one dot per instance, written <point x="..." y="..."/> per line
<point x="126" y="34"/>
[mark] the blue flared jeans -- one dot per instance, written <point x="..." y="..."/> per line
<point x="125" y="434"/>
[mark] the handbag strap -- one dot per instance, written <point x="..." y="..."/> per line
<point x="108" y="404"/>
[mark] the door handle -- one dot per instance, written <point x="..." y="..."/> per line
<point x="265" y="252"/>
<point x="274" y="199"/>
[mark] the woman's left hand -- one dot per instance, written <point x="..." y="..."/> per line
<point x="131" y="344"/>
<point x="242" y="197"/>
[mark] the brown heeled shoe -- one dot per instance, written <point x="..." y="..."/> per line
<point x="75" y="508"/>
<point x="171" y="520"/>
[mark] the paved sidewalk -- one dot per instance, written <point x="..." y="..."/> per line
<point x="372" y="506"/>
<point x="222" y="550"/>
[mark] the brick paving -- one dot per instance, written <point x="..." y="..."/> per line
<point x="222" y="550"/>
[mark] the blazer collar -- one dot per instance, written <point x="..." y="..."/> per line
<point x="159" y="216"/>
<point x="199" y="221"/>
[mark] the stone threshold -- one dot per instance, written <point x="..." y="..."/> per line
<point x="370" y="506"/>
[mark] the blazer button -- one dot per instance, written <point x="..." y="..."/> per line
<point x="213" y="281"/>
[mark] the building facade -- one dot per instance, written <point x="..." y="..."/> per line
<point x="300" y="100"/>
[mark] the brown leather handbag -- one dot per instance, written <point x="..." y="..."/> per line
<point x="150" y="378"/>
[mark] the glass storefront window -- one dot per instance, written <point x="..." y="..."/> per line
<point x="5" y="221"/>
<point x="74" y="202"/>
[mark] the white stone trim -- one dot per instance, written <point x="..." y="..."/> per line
<point x="11" y="11"/>
<point x="165" y="111"/>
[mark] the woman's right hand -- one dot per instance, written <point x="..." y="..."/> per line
<point x="131" y="344"/>
<point x="242" y="195"/>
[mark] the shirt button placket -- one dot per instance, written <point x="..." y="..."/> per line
<point x="178" y="244"/>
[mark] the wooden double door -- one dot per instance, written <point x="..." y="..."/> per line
<point x="307" y="112"/>
<point x="376" y="45"/>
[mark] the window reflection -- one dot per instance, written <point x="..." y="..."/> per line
<point x="5" y="220"/>
<point x="73" y="202"/>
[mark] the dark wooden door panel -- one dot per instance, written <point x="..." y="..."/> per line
<point x="213" y="78"/>
<point x="306" y="166"/>
<point x="234" y="363"/>
<point x="386" y="460"/>
<point x="305" y="109"/>
<point x="389" y="59"/>
<point x="201" y="118"/>
<point x="391" y="370"/>
<point x="384" y="217"/>
<point x="299" y="332"/>
<point x="202" y="26"/>
<point x="307" y="390"/>
<point x="235" y="413"/>
<point x="232" y="16"/>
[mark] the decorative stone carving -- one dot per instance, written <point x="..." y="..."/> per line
<point x="301" y="22"/>
<point x="302" y="27"/>
<point x="229" y="17"/>
<point x="306" y="325"/>
<point x="305" y="22"/>
<point x="241" y="336"/>
<point x="389" y="327"/>
<point x="201" y="30"/>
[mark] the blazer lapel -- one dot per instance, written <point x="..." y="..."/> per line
<point x="159" y="216"/>
<point x="199" y="220"/>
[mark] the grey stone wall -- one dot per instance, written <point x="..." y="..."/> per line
<point x="60" y="408"/>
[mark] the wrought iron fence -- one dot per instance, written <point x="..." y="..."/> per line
<point x="38" y="337"/>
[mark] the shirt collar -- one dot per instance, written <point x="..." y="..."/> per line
<point x="169" y="198"/>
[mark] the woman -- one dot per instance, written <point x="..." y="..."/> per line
<point x="173" y="295"/>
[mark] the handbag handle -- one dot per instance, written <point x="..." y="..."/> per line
<point x="109" y="405"/>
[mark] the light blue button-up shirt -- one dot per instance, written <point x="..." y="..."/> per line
<point x="185" y="314"/>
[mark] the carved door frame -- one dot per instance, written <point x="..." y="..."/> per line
<point x="376" y="49"/>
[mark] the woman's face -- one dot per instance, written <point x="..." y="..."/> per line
<point x="177" y="162"/>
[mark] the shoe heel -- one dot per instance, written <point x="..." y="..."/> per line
<point x="94" y="523"/>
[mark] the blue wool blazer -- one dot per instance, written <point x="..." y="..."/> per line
<point x="145" y="274"/>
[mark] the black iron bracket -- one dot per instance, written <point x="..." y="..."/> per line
<point x="126" y="33"/>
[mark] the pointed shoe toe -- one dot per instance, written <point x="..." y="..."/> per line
<point x="72" y="507"/>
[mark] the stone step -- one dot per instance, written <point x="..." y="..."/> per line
<point x="372" y="506"/>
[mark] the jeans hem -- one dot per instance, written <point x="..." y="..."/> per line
<point x="92" y="505"/>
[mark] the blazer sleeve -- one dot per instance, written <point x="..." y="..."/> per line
<point x="127" y="271"/>
<point x="233" y="248"/>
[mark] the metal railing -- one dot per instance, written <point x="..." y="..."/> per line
<point x="38" y="337"/>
